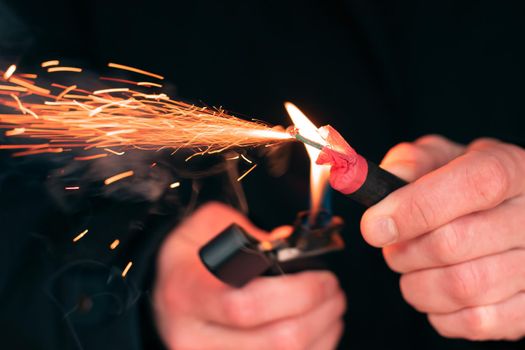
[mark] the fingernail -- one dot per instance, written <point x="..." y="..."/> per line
<point x="383" y="231"/>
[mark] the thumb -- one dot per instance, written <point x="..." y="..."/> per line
<point x="412" y="160"/>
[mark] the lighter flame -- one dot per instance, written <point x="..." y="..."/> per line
<point x="319" y="174"/>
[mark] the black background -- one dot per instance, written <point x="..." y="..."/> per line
<point x="380" y="72"/>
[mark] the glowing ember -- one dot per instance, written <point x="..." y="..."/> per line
<point x="246" y="159"/>
<point x="64" y="69"/>
<point x="95" y="156"/>
<point x="319" y="174"/>
<point x="247" y="172"/>
<point x="114" y="244"/>
<point x="126" y="270"/>
<point x="79" y="237"/>
<point x="49" y="63"/>
<point x="9" y="72"/>
<point x="15" y="131"/>
<point x="118" y="177"/>
<point x="175" y="184"/>
<point x="136" y="70"/>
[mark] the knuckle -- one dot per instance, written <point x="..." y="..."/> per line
<point x="238" y="309"/>
<point x="432" y="139"/>
<point x="180" y="339"/>
<point x="407" y="283"/>
<point x="483" y="143"/>
<point x="392" y="255"/>
<point x="287" y="337"/>
<point x="421" y="210"/>
<point x="447" y="243"/>
<point x="409" y="152"/>
<point x="491" y="183"/>
<point x="440" y="327"/>
<point x="465" y="282"/>
<point x="478" y="323"/>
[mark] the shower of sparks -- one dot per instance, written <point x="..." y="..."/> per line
<point x="114" y="244"/>
<point x="79" y="237"/>
<point x="118" y="177"/>
<point x="126" y="270"/>
<point x="66" y="117"/>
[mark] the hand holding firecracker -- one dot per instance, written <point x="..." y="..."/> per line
<point x="456" y="234"/>
<point x="194" y="310"/>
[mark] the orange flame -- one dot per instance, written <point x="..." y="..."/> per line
<point x="319" y="174"/>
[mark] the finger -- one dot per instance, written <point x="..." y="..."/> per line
<point x="329" y="339"/>
<point x="267" y="299"/>
<point x="280" y="232"/>
<point x="211" y="219"/>
<point x="292" y="333"/>
<point x="505" y="320"/>
<point x="412" y="160"/>
<point x="466" y="238"/>
<point x="487" y="280"/>
<point x="478" y="180"/>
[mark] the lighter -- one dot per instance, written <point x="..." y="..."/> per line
<point x="235" y="257"/>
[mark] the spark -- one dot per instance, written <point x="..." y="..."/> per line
<point x="246" y="173"/>
<point x="9" y="72"/>
<point x="175" y="184"/>
<point x="136" y="70"/>
<point x="72" y="188"/>
<point x="114" y="152"/>
<point x="64" y="69"/>
<point x="126" y="270"/>
<point x="15" y="131"/>
<point x="114" y="244"/>
<point x="118" y="177"/>
<point x="66" y="91"/>
<point x="82" y="234"/>
<point x="38" y="151"/>
<point x="50" y="63"/>
<point x="95" y="156"/>
<point x="13" y="88"/>
<point x="28" y="75"/>
<point x="234" y="157"/>
<point x="107" y="91"/>
<point x="148" y="84"/>
<point x="246" y="159"/>
<point x="29" y="86"/>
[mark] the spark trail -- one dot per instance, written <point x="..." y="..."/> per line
<point x="65" y="117"/>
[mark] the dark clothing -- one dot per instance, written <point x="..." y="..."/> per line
<point x="380" y="72"/>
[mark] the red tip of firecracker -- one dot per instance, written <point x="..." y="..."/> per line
<point x="348" y="169"/>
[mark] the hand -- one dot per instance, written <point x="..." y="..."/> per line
<point x="457" y="234"/>
<point x="194" y="310"/>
